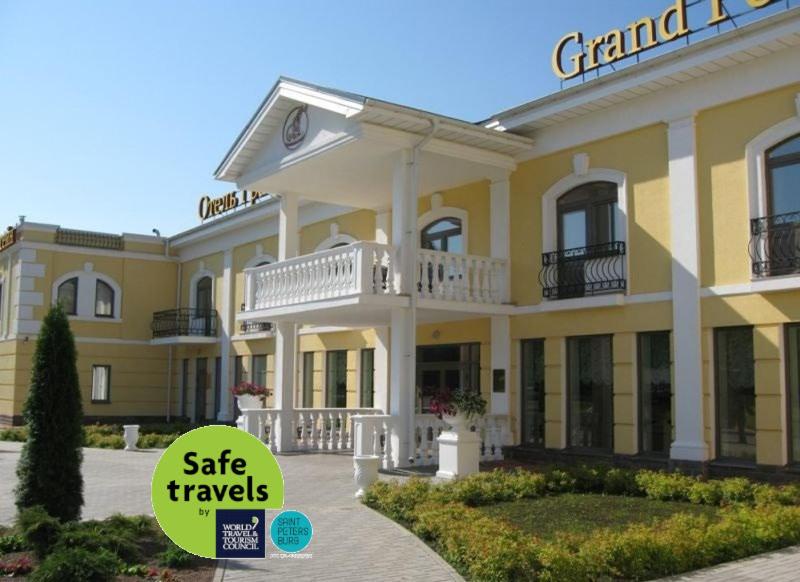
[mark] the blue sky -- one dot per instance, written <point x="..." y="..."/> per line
<point x="113" y="115"/>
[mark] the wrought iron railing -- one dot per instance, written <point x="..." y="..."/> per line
<point x="582" y="271"/>
<point x="249" y="326"/>
<point x="185" y="322"/>
<point x="85" y="238"/>
<point x="775" y="245"/>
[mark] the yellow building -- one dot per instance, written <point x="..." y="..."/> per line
<point x="616" y="267"/>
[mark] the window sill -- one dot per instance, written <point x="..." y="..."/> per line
<point x="101" y="402"/>
<point x="94" y="319"/>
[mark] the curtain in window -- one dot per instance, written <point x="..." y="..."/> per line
<point x="100" y="377"/>
<point x="104" y="300"/>
<point x="68" y="296"/>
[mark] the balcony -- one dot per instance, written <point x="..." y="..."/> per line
<point x="355" y="285"/>
<point x="775" y="245"/>
<point x="584" y="271"/>
<point x="185" y="326"/>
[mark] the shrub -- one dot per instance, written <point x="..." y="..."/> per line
<point x="49" y="469"/>
<point x="96" y="536"/>
<point x="559" y="481"/>
<point x="40" y="531"/>
<point x="397" y="501"/>
<point x="104" y="441"/>
<point x="77" y="564"/>
<point x="665" y="486"/>
<point x="736" y="490"/>
<point x="175" y="557"/>
<point x="11" y="543"/>
<point x="622" y="482"/>
<point x="705" y="493"/>
<point x="17" y="434"/>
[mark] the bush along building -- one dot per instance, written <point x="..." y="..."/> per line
<point x="615" y="267"/>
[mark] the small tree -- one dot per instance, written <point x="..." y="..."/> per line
<point x="49" y="469"/>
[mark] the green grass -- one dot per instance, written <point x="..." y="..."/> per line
<point x="579" y="515"/>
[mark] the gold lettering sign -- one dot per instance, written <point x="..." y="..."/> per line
<point x="211" y="207"/>
<point x="572" y="57"/>
<point x="8" y="238"/>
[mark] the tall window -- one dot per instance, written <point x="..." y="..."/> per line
<point x="260" y="370"/>
<point x="793" y="389"/>
<point x="736" y="394"/>
<point x="101" y="384"/>
<point x="532" y="364"/>
<point x="184" y="386"/>
<point x="783" y="177"/>
<point x="203" y="296"/>
<point x="447" y="367"/>
<point x="586" y="215"/>
<point x="445" y="235"/>
<point x="590" y="386"/>
<point x="68" y="296"/>
<point x="103" y="300"/>
<point x="336" y="381"/>
<point x="655" y="393"/>
<point x="367" y="378"/>
<point x="308" y="379"/>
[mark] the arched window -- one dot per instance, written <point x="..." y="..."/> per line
<point x="103" y="300"/>
<point x="203" y="294"/>
<point x="444" y="234"/>
<point x="586" y="215"/>
<point x="68" y="296"/>
<point x="783" y="177"/>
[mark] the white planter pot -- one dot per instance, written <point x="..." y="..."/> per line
<point x="131" y="436"/>
<point x="365" y="473"/>
<point x="249" y="401"/>
<point x="458" y="422"/>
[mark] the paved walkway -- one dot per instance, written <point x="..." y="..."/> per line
<point x="350" y="541"/>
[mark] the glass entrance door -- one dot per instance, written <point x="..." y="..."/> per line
<point x="532" y="392"/>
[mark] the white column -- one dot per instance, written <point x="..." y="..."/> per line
<point x="500" y="218"/>
<point x="383" y="227"/>
<point x="224" y="413"/>
<point x="689" y="442"/>
<point x="286" y="331"/>
<point x="381" y="362"/>
<point x="403" y="320"/>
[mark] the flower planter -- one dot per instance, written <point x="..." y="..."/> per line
<point x="131" y="436"/>
<point x="458" y="422"/>
<point x="249" y="401"/>
<point x="459" y="448"/>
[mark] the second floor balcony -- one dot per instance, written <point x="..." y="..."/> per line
<point x="185" y="325"/>
<point x="363" y="274"/>
<point x="775" y="245"/>
<point x="584" y="271"/>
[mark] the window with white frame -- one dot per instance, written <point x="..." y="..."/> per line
<point x="67" y="296"/>
<point x="88" y="295"/>
<point x="103" y="299"/>
<point x="101" y="384"/>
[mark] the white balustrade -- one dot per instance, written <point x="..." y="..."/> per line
<point x="369" y="268"/>
<point x="455" y="277"/>
<point x="359" y="268"/>
<point x="493" y="428"/>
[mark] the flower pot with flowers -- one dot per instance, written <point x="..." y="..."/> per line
<point x="250" y="395"/>
<point x="459" y="447"/>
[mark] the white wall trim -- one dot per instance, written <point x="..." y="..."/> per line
<point x="87" y="289"/>
<point x="336" y="238"/>
<point x="598" y="301"/>
<point x="438" y="212"/>
<point x="771" y="285"/>
<point x="96" y="252"/>
<point x="258" y="259"/>
<point x="755" y="153"/>
<point x="569" y="183"/>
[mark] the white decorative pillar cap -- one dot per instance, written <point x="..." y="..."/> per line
<point x="580" y="164"/>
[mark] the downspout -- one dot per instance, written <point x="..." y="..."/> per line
<point x="169" y="352"/>
<point x="412" y="232"/>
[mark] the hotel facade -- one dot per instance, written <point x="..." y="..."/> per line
<point x="615" y="267"/>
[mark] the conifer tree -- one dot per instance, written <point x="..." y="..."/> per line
<point x="49" y="469"/>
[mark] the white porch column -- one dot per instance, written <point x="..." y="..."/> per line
<point x="402" y="390"/>
<point x="689" y="442"/>
<point x="286" y="331"/>
<point x="224" y="412"/>
<point x="381" y="363"/>
<point x="500" y="217"/>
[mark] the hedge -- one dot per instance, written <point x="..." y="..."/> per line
<point x="109" y="436"/>
<point x="754" y="518"/>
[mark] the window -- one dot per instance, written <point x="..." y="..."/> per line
<point x="103" y="300"/>
<point x="367" y="378"/>
<point x="783" y="175"/>
<point x="655" y="393"/>
<point x="200" y="389"/>
<point x="308" y="379"/>
<point x="586" y="215"/>
<point x="336" y="382"/>
<point x="533" y="420"/>
<point x="444" y="235"/>
<point x="68" y="296"/>
<point x="101" y="384"/>
<point x="446" y="367"/>
<point x="793" y="389"/>
<point x="203" y="299"/>
<point x="184" y="385"/>
<point x="590" y="397"/>
<point x="260" y="370"/>
<point x="736" y="394"/>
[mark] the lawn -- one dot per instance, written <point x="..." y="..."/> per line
<point x="590" y="523"/>
<point x="581" y="515"/>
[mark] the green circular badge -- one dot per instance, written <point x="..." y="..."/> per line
<point x="210" y="491"/>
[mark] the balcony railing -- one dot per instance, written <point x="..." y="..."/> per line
<point x="185" y="322"/>
<point x="775" y="245"/>
<point x="455" y="277"/>
<point x="583" y="271"/>
<point x="248" y="326"/>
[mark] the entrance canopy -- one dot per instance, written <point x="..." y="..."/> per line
<point x="341" y="148"/>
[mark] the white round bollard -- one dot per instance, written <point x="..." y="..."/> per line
<point x="131" y="436"/>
